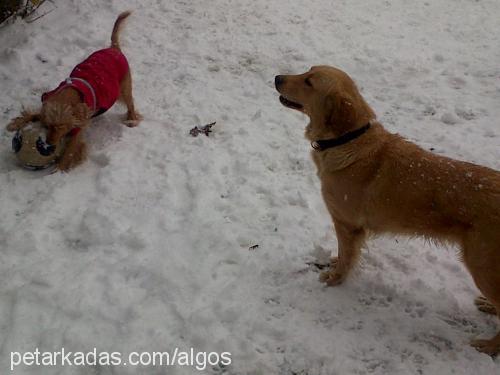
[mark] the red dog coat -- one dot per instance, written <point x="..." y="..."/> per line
<point x="97" y="79"/>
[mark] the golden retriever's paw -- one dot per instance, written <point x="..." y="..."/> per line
<point x="490" y="347"/>
<point x="133" y="119"/>
<point x="331" y="278"/>
<point x="485" y="306"/>
<point x="131" y="123"/>
<point x="62" y="167"/>
<point x="16" y="124"/>
<point x="12" y="127"/>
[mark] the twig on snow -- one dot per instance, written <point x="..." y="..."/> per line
<point x="203" y="130"/>
<point x="40" y="16"/>
<point x="319" y="266"/>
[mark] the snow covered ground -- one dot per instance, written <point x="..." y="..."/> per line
<point x="145" y="247"/>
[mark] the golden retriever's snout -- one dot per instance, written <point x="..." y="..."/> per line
<point x="279" y="82"/>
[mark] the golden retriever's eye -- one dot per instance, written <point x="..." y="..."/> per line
<point x="308" y="82"/>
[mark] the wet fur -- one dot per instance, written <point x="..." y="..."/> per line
<point x="380" y="183"/>
<point x="64" y="110"/>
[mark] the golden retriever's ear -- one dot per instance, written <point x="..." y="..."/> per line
<point x="82" y="115"/>
<point x="341" y="114"/>
<point x="66" y="115"/>
<point x="21" y="121"/>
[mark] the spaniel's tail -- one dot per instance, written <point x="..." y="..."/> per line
<point x="115" y="41"/>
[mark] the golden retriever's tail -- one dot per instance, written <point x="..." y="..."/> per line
<point x="115" y="41"/>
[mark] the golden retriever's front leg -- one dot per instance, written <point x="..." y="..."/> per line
<point x="74" y="154"/>
<point x="350" y="239"/>
<point x="23" y="120"/>
<point x="491" y="346"/>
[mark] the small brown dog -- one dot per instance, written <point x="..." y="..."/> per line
<point x="376" y="182"/>
<point x="92" y="88"/>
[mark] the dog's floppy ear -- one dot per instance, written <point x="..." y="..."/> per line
<point x="66" y="115"/>
<point x="21" y="121"/>
<point x="82" y="115"/>
<point x="341" y="113"/>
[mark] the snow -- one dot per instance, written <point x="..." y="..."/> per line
<point x="145" y="247"/>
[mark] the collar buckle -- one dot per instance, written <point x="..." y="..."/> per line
<point x="315" y="145"/>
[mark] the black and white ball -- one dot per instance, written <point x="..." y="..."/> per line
<point x="32" y="149"/>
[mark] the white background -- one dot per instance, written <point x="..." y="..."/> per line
<point x="145" y="247"/>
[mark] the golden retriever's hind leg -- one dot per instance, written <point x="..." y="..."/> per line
<point x="350" y="240"/>
<point x="485" y="306"/>
<point x="133" y="117"/>
<point x="480" y="258"/>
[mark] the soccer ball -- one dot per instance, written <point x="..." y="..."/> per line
<point x="31" y="148"/>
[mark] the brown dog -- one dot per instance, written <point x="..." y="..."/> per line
<point x="92" y="88"/>
<point x="376" y="182"/>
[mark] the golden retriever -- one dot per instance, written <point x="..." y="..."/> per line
<point x="92" y="88"/>
<point x="376" y="182"/>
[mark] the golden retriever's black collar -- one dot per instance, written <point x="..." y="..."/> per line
<point x="325" y="144"/>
